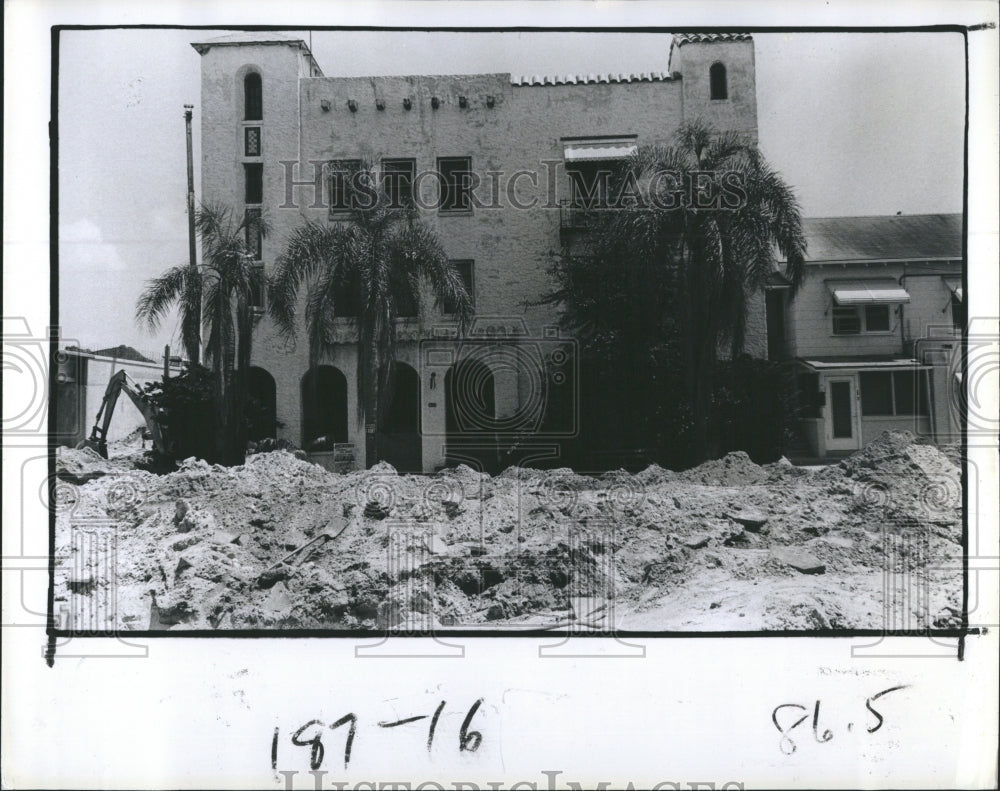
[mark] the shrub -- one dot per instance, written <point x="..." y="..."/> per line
<point x="187" y="401"/>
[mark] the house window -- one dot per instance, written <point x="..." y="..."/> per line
<point x="856" y="320"/>
<point x="466" y="270"/>
<point x="877" y="318"/>
<point x="252" y="97"/>
<point x="717" y="80"/>
<point x="254" y="174"/>
<point x="876" y="394"/>
<point x="341" y="172"/>
<point x="846" y="321"/>
<point x="893" y="393"/>
<point x="456" y="184"/>
<point x="251" y="141"/>
<point x="397" y="181"/>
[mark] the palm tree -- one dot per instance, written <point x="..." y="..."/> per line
<point x="222" y="287"/>
<point x="364" y="268"/>
<point x="703" y="262"/>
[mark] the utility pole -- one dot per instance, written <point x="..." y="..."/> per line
<point x="192" y="250"/>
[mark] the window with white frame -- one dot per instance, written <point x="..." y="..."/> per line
<point x="893" y="393"/>
<point x="865" y="306"/>
<point x="859" y="320"/>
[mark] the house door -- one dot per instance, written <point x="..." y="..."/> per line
<point x="842" y="414"/>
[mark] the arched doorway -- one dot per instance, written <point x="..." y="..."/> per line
<point x="399" y="424"/>
<point x="262" y="404"/>
<point x="470" y="416"/>
<point x="324" y="407"/>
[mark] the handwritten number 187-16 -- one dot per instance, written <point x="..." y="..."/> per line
<point x="311" y="734"/>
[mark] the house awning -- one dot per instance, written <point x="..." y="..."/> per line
<point x="867" y="292"/>
<point x="863" y="363"/>
<point x="955" y="286"/>
<point x="597" y="149"/>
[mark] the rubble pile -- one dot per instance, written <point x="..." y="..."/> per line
<point x="280" y="542"/>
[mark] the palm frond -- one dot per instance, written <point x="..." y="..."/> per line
<point x="162" y="292"/>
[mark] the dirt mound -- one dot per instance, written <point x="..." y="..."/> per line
<point x="733" y="469"/>
<point x="905" y="477"/>
<point x="281" y="542"/>
<point x="84" y="464"/>
<point x="655" y="474"/>
<point x="898" y="453"/>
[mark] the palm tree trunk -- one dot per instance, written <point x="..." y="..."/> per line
<point x="370" y="391"/>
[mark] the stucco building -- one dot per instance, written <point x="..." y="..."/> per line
<point x="271" y="122"/>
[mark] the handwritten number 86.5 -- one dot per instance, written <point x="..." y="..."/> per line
<point x="785" y="725"/>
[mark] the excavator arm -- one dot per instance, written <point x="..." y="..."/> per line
<point x="118" y="383"/>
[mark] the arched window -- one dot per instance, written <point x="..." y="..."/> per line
<point x="253" y="100"/>
<point x="717" y="79"/>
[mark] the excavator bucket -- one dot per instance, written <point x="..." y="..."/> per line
<point x="97" y="445"/>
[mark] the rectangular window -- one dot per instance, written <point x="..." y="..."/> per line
<point x="456" y="184"/>
<point x="846" y="321"/>
<point x="398" y="176"/>
<point x="902" y="386"/>
<point x="251" y="141"/>
<point x="466" y="269"/>
<point x="592" y="184"/>
<point x="254" y="193"/>
<point x="876" y="393"/>
<point x="898" y="393"/>
<point x="341" y="171"/>
<point x="253" y="235"/>
<point x="877" y="318"/>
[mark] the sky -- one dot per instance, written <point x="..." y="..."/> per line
<point x="857" y="123"/>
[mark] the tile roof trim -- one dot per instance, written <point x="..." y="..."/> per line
<point x="680" y="39"/>
<point x="529" y="80"/>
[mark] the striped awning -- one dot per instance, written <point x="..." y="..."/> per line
<point x="867" y="292"/>
<point x="598" y="149"/>
<point x="955" y="286"/>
